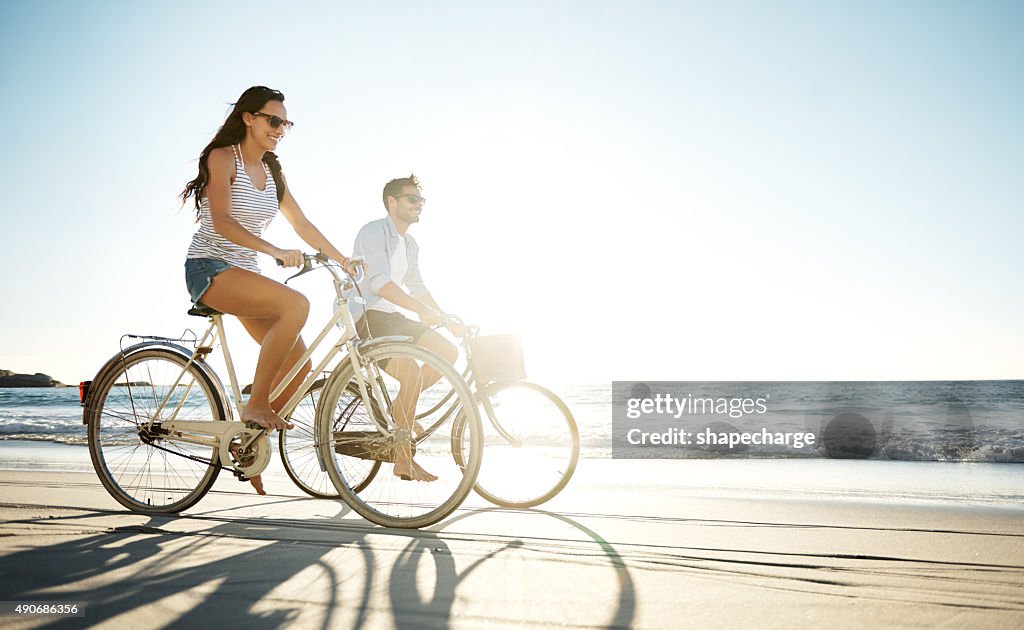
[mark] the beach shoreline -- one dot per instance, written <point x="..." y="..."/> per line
<point x="885" y="482"/>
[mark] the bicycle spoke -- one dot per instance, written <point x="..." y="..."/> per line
<point x="531" y="441"/>
<point x="156" y="474"/>
<point x="400" y="396"/>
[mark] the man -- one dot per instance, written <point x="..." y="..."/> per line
<point x="393" y="282"/>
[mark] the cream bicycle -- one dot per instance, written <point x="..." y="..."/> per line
<point x="161" y="426"/>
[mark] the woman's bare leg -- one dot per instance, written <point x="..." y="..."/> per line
<point x="249" y="295"/>
<point x="258" y="328"/>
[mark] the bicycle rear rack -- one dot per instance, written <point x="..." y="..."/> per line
<point x="187" y="336"/>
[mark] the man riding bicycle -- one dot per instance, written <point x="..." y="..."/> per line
<point x="393" y="283"/>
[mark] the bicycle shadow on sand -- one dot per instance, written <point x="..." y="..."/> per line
<point x="319" y="572"/>
<point x="147" y="573"/>
<point x="435" y="608"/>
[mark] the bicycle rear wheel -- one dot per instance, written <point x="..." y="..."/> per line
<point x="532" y="444"/>
<point x="142" y="468"/>
<point x="298" y="446"/>
<point x="388" y="500"/>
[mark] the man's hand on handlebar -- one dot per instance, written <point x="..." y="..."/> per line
<point x="453" y="323"/>
<point x="352" y="265"/>
<point x="455" y="326"/>
<point x="430" y="317"/>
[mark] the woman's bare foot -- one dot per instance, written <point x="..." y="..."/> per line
<point x="257" y="484"/>
<point x="264" y="416"/>
<point x="257" y="481"/>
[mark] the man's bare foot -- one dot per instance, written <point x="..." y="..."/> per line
<point x="405" y="466"/>
<point x="413" y="472"/>
<point x="264" y="416"/>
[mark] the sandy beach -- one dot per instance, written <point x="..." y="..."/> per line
<point x="611" y="551"/>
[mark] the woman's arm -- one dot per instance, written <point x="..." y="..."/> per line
<point x="221" y="165"/>
<point x="306" y="230"/>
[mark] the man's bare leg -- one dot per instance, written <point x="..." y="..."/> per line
<point x="410" y="382"/>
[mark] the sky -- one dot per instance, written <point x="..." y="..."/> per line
<point x="641" y="190"/>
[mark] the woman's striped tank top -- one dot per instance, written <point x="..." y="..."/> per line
<point x="253" y="208"/>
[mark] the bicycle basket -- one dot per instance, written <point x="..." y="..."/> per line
<point x="497" y="358"/>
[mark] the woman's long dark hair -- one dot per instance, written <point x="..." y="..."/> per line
<point x="232" y="132"/>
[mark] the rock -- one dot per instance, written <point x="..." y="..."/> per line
<point x="10" y="379"/>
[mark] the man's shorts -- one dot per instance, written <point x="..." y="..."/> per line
<point x="376" y="323"/>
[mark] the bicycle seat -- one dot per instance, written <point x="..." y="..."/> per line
<point x="202" y="310"/>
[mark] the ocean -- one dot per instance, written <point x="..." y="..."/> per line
<point x="946" y="441"/>
<point x="946" y="421"/>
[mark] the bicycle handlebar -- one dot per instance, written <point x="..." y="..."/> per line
<point x="469" y="330"/>
<point x="322" y="259"/>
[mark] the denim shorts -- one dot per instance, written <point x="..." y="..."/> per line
<point x="199" y="275"/>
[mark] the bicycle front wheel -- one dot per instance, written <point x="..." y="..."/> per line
<point x="142" y="468"/>
<point x="298" y="446"/>
<point x="402" y="381"/>
<point x="532" y="444"/>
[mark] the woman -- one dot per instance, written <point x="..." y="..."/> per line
<point x="239" y="189"/>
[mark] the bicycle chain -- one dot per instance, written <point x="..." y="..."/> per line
<point x="241" y="476"/>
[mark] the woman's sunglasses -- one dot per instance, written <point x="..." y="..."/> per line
<point x="275" y="121"/>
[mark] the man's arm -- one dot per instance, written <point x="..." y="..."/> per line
<point x="370" y="244"/>
<point x="424" y="306"/>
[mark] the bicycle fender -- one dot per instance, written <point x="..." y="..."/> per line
<point x="366" y="344"/>
<point x="113" y="361"/>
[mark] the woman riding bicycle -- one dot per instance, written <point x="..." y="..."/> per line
<point x="238" y="191"/>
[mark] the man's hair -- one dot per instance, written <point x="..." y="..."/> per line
<point x="395" y="186"/>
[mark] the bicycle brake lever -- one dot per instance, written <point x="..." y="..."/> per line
<point x="306" y="268"/>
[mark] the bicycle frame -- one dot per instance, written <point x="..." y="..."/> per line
<point x="207" y="433"/>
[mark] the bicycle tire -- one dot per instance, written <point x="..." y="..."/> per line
<point x="389" y="501"/>
<point x="298" y="446"/>
<point x="539" y="466"/>
<point x="155" y="476"/>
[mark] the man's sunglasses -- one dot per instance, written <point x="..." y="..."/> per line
<point x="414" y="199"/>
<point x="275" y="121"/>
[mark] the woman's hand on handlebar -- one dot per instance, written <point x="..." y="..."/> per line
<point x="288" y="257"/>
